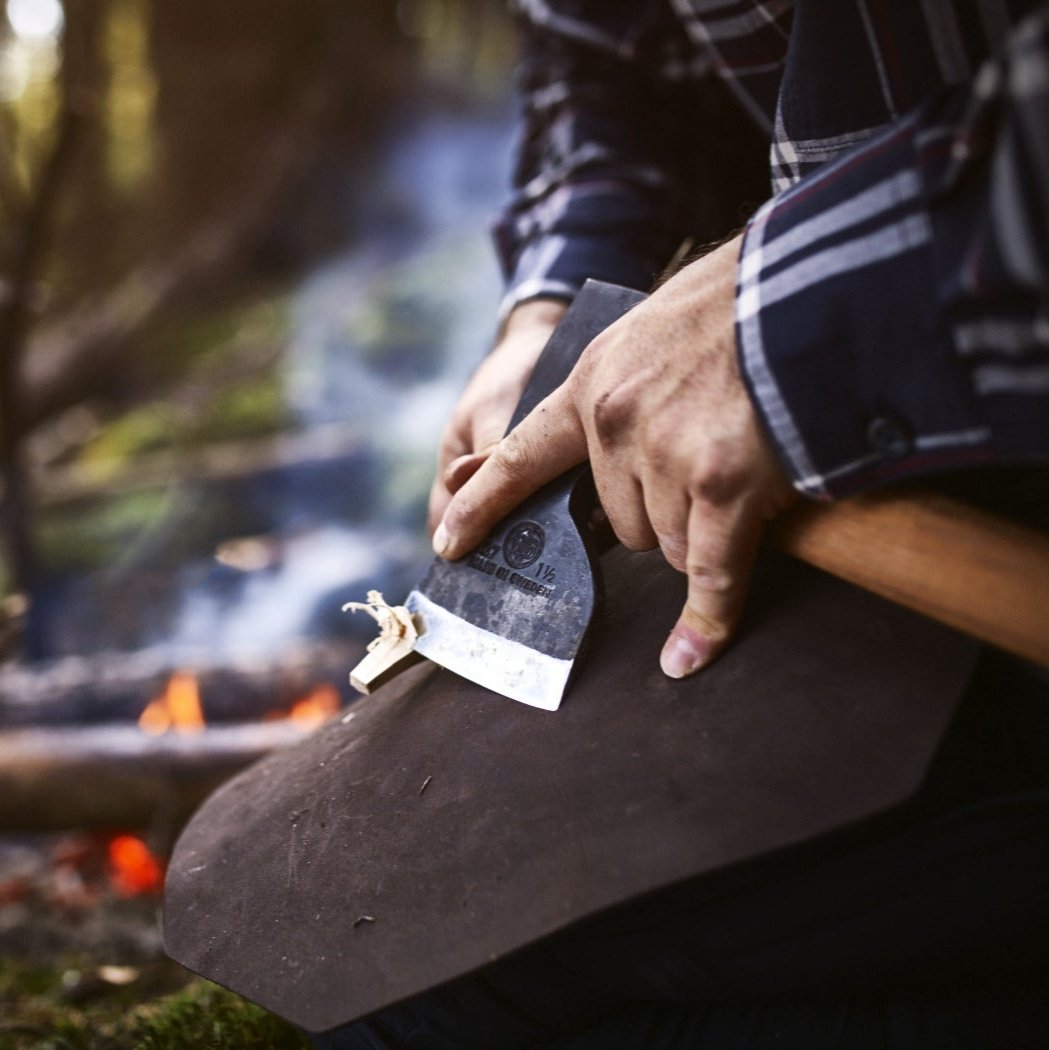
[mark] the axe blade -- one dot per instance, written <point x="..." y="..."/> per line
<point x="513" y="615"/>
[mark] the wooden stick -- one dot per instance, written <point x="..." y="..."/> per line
<point x="967" y="568"/>
<point x="116" y="776"/>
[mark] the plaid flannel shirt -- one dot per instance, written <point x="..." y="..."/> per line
<point x="893" y="295"/>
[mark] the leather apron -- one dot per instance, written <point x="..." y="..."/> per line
<point x="436" y="826"/>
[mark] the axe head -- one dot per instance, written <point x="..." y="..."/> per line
<point x="513" y="615"/>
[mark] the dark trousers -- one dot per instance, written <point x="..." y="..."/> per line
<point x="927" y="929"/>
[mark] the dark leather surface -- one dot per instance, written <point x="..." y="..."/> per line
<point x="827" y="710"/>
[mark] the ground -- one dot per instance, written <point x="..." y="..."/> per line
<point x="82" y="965"/>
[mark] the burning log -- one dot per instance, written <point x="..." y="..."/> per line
<point x="116" y="687"/>
<point x="119" y="776"/>
<point x="151" y="768"/>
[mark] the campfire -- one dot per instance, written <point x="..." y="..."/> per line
<point x="150" y="761"/>
<point x="72" y="873"/>
<point x="89" y="808"/>
<point x="178" y="707"/>
<point x="132" y="866"/>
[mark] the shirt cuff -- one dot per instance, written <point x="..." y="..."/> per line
<point x="841" y="341"/>
<point x="603" y="232"/>
<point x="557" y="267"/>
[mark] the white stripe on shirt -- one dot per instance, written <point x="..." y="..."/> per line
<point x="897" y="189"/>
<point x="902" y="236"/>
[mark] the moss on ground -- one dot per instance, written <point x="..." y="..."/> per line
<point x="75" y="1007"/>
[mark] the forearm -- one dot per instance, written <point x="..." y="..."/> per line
<point x="892" y="308"/>
<point x="597" y="190"/>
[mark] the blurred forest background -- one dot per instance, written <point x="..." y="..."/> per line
<point x="244" y="272"/>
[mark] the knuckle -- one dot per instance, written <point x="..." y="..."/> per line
<point x="661" y="446"/>
<point x="612" y="414"/>
<point x="632" y="534"/>
<point x="636" y="541"/>
<point x="675" y="550"/>
<point x="713" y="581"/>
<point x="515" y="457"/>
<point x="717" y="482"/>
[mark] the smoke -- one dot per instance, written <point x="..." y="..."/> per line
<point x="383" y="338"/>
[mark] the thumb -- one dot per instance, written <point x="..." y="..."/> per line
<point x="448" y="482"/>
<point x="722" y="545"/>
<point x="548" y="441"/>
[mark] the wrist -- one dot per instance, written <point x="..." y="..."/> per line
<point x="532" y="314"/>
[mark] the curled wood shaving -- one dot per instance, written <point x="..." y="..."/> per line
<point x="395" y="622"/>
<point x="392" y="651"/>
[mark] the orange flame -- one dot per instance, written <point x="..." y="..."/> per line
<point x="177" y="707"/>
<point x="316" y="707"/>
<point x="133" y="869"/>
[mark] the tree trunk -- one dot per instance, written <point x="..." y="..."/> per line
<point x="29" y="250"/>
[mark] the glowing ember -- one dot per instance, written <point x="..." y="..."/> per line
<point x="177" y="708"/>
<point x="133" y="869"/>
<point x="316" y="707"/>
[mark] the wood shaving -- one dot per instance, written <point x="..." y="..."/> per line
<point x="395" y="622"/>
<point x="392" y="651"/>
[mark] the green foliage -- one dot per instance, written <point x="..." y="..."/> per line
<point x="207" y="338"/>
<point x="59" y="1008"/>
<point x="207" y="1016"/>
<point x="144" y="428"/>
<point x="254" y="408"/>
<point x="221" y="381"/>
<point x="104" y="532"/>
<point x="226" y="386"/>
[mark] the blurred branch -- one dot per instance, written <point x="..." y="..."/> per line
<point x="333" y="443"/>
<point x="83" y="353"/>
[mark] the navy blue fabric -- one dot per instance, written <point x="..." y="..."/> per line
<point x="898" y="274"/>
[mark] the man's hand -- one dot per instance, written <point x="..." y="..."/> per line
<point x="658" y="405"/>
<point x="483" y="411"/>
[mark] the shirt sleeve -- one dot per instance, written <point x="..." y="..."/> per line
<point x="893" y="307"/>
<point x="597" y="187"/>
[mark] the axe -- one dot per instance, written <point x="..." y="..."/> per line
<point x="515" y="614"/>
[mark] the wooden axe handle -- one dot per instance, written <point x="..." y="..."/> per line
<point x="965" y="567"/>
